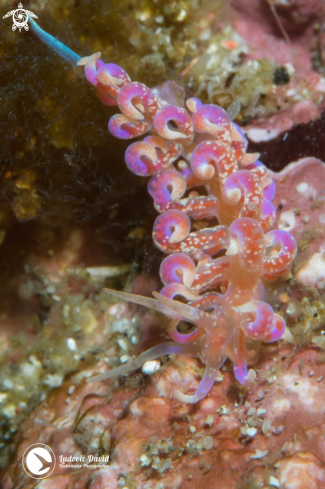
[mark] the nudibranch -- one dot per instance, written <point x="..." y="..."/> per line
<point x="199" y="170"/>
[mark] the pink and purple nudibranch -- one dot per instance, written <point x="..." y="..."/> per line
<point x="199" y="169"/>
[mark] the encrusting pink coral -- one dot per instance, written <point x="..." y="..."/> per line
<point x="219" y="270"/>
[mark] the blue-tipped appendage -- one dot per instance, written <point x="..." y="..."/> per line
<point x="54" y="44"/>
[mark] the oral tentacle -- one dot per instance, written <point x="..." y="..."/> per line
<point x="167" y="348"/>
<point x="196" y="316"/>
<point x="144" y="301"/>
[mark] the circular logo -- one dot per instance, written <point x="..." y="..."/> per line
<point x="20" y="18"/>
<point x="39" y="461"/>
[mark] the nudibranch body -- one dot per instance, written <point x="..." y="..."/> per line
<point x="199" y="169"/>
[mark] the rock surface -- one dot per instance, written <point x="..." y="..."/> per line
<point x="271" y="435"/>
<point x="274" y="433"/>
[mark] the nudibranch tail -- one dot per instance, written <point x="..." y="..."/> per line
<point x="54" y="44"/>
